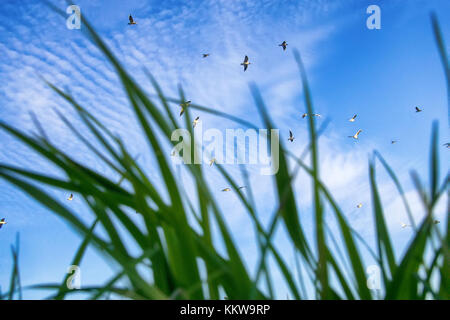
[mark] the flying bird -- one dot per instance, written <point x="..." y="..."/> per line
<point x="212" y="161"/>
<point x="359" y="205"/>
<point x="70" y="198"/>
<point x="183" y="106"/>
<point x="194" y="123"/>
<point x="356" y="134"/>
<point x="226" y="190"/>
<point x="131" y="20"/>
<point x="352" y="119"/>
<point x="404" y="225"/>
<point x="447" y="144"/>
<point x="205" y="55"/>
<point x="173" y="153"/>
<point x="245" y="63"/>
<point x="291" y="136"/>
<point x="418" y="109"/>
<point x="241" y="187"/>
<point x="283" y="44"/>
<point x="2" y="222"/>
<point x="393" y="141"/>
<point x="436" y="221"/>
<point x="314" y="114"/>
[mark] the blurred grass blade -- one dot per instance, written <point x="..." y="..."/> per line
<point x="443" y="54"/>
<point x="384" y="244"/>
<point x="76" y="261"/>
<point x="399" y="188"/>
<point x="15" y="285"/>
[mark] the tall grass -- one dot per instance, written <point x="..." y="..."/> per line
<point x="171" y="247"/>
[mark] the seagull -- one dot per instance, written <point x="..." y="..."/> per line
<point x="212" y="161"/>
<point x="226" y="190"/>
<point x="314" y="114"/>
<point x="404" y="225"/>
<point x="359" y="205"/>
<point x="183" y="106"/>
<point x="70" y="198"/>
<point x="205" y="55"/>
<point x="131" y="20"/>
<point x="352" y="119"/>
<point x="194" y="123"/>
<point x="2" y="222"/>
<point x="356" y="134"/>
<point x="245" y="63"/>
<point x="418" y="110"/>
<point x="283" y="44"/>
<point x="291" y="136"/>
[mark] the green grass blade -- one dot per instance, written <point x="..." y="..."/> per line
<point x="383" y="239"/>
<point x="76" y="260"/>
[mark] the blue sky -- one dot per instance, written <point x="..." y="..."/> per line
<point x="381" y="75"/>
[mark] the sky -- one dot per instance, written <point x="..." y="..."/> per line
<point x="380" y="75"/>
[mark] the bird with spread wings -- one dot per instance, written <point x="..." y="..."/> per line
<point x="356" y="135"/>
<point x="283" y="44"/>
<point x="2" y="222"/>
<point x="245" y="63"/>
<point x="130" y="18"/>
<point x="183" y="106"/>
<point x="291" y="136"/>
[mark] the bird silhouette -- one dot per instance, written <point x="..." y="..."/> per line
<point x="314" y="114"/>
<point x="245" y="63"/>
<point x="70" y="198"/>
<point x="2" y="222"/>
<point x="131" y="20"/>
<point x="183" y="106"/>
<point x="194" y="123"/>
<point x="356" y="134"/>
<point x="291" y="136"/>
<point x="352" y="119"/>
<point x="283" y="44"/>
<point x="404" y="225"/>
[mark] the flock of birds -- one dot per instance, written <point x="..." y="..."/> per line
<point x="291" y="138"/>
